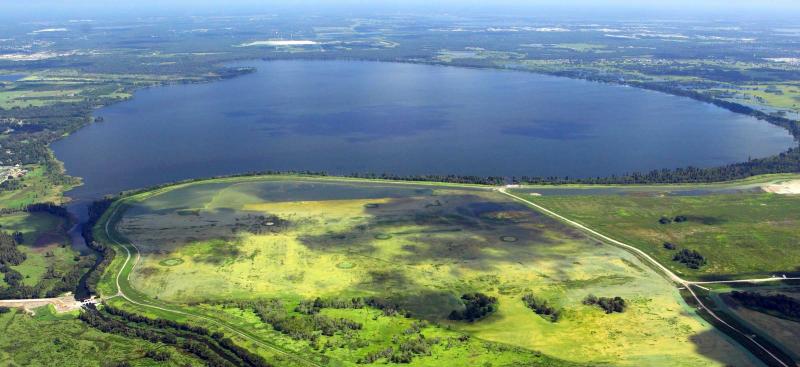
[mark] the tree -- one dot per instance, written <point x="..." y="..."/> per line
<point x="476" y="306"/>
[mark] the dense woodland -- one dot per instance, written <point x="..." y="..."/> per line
<point x="50" y="208"/>
<point x="53" y="282"/>
<point x="779" y="305"/>
<point x="105" y="253"/>
<point x="213" y="348"/>
<point x="10" y="256"/>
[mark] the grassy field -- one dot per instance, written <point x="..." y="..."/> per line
<point x="742" y="235"/>
<point x="420" y="246"/>
<point x="45" y="244"/>
<point x="37" y="188"/>
<point x="30" y="98"/>
<point x="48" y="340"/>
<point x="778" y="95"/>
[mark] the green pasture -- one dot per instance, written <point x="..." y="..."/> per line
<point x="743" y="235"/>
<point x="45" y="244"/>
<point x="37" y="188"/>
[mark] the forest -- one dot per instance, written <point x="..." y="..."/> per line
<point x="779" y="305"/>
<point x="212" y="347"/>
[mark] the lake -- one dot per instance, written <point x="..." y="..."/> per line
<point x="11" y="77"/>
<point x="352" y="116"/>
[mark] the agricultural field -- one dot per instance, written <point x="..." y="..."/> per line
<point x="47" y="340"/>
<point x="257" y="251"/>
<point x="745" y="234"/>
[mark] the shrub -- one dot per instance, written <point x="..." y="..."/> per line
<point x="690" y="258"/>
<point x="608" y="304"/>
<point x="541" y="307"/>
<point x="476" y="306"/>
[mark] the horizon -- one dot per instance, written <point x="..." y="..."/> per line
<point x="51" y="10"/>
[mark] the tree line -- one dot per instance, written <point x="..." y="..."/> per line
<point x="213" y="348"/>
<point x="49" y="208"/>
<point x="308" y="326"/>
<point x="11" y="256"/>
<point x="779" y="305"/>
<point x="541" y="307"/>
<point x="786" y="162"/>
<point x="88" y="284"/>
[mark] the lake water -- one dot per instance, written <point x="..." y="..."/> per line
<point x="11" y="77"/>
<point x="346" y="116"/>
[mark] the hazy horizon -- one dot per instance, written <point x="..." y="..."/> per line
<point x="631" y="10"/>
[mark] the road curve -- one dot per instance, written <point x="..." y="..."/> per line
<point x="122" y="294"/>
<point x="668" y="273"/>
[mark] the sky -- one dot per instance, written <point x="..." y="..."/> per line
<point x="64" y="9"/>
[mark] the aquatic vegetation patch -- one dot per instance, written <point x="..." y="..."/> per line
<point x="171" y="262"/>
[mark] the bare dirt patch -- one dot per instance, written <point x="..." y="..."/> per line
<point x="62" y="304"/>
<point x="784" y="188"/>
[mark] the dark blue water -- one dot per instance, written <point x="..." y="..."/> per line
<point x="11" y="77"/>
<point x="343" y="117"/>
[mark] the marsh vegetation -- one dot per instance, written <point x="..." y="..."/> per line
<point x="436" y="262"/>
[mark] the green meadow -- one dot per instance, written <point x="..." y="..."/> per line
<point x="211" y="246"/>
<point x="50" y="340"/>
<point x="36" y="187"/>
<point x="742" y="235"/>
<point x="45" y="245"/>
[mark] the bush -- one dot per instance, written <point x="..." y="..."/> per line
<point x="690" y="258"/>
<point x="541" y="307"/>
<point x="158" y="355"/>
<point x="476" y="306"/>
<point x="609" y="305"/>
<point x="669" y="246"/>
